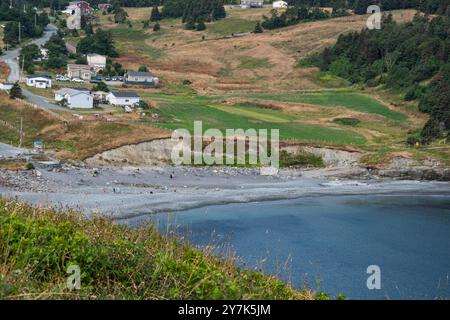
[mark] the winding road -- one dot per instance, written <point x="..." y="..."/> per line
<point x="11" y="59"/>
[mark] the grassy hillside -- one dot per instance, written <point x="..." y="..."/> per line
<point x="38" y="245"/>
<point x="76" y="140"/>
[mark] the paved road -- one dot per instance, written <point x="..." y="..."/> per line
<point x="7" y="151"/>
<point x="10" y="58"/>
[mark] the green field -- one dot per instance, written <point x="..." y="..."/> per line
<point x="134" y="40"/>
<point x="181" y="112"/>
<point x="231" y="25"/>
<point x="350" y="100"/>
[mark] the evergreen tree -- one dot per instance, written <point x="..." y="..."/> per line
<point x="258" y="28"/>
<point x="15" y="92"/>
<point x="200" y="26"/>
<point x="155" y="15"/>
<point x="120" y="16"/>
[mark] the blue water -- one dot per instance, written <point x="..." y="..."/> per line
<point x="328" y="242"/>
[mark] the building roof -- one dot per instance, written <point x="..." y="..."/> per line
<point x="95" y="55"/>
<point x="34" y="76"/>
<point x="123" y="94"/>
<point x="78" y="66"/>
<point x="71" y="91"/>
<point x="139" y="74"/>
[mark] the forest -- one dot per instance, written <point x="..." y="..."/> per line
<point x="412" y="58"/>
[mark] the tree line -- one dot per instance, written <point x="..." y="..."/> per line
<point x="30" y="21"/>
<point x="441" y="7"/>
<point x="412" y="58"/>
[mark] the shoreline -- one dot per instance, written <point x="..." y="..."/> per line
<point x="124" y="193"/>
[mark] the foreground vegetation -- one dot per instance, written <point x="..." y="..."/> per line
<point x="38" y="245"/>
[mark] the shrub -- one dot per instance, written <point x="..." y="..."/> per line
<point x="347" y="121"/>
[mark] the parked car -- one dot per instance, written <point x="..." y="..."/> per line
<point x="78" y="80"/>
<point x="114" y="79"/>
<point x="121" y="79"/>
<point x="62" y="78"/>
<point x="99" y="78"/>
<point x="107" y="78"/>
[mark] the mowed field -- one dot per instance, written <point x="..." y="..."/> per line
<point x="244" y="80"/>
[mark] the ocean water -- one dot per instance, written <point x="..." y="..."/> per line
<point x="328" y="242"/>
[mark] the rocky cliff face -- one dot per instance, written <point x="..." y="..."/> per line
<point x="158" y="153"/>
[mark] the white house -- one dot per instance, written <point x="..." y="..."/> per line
<point x="6" y="86"/>
<point x="96" y="61"/>
<point x="252" y="3"/>
<point x="75" y="98"/>
<point x="279" y="5"/>
<point x="141" y="78"/>
<point x="122" y="99"/>
<point x="41" y="81"/>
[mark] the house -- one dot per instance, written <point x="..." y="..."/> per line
<point x="85" y="7"/>
<point x="279" y="5"/>
<point x="100" y="96"/>
<point x="122" y="99"/>
<point x="73" y="20"/>
<point x="41" y="81"/>
<point x="96" y="61"/>
<point x="143" y="78"/>
<point x="75" y="98"/>
<point x="104" y="6"/>
<point x="6" y="86"/>
<point x="82" y="71"/>
<point x="252" y="3"/>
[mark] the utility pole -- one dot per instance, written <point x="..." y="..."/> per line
<point x="35" y="19"/>
<point x="23" y="64"/>
<point x="21" y="133"/>
<point x="20" y="32"/>
<point x="10" y="4"/>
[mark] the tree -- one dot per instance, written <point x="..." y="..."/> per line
<point x="27" y="55"/>
<point x="143" y="69"/>
<point x="258" y="28"/>
<point x="89" y="29"/>
<point x="190" y="25"/>
<point x="155" y="15"/>
<point x="156" y="27"/>
<point x="200" y="26"/>
<point x="120" y="16"/>
<point x="15" y="92"/>
<point x="57" y="52"/>
<point x="11" y="33"/>
<point x="101" y="86"/>
<point x="100" y="42"/>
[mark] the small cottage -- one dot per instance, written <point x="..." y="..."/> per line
<point x="41" y="81"/>
<point x="96" y="62"/>
<point x="252" y="3"/>
<point x="142" y="78"/>
<point x="279" y="5"/>
<point x="117" y="98"/>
